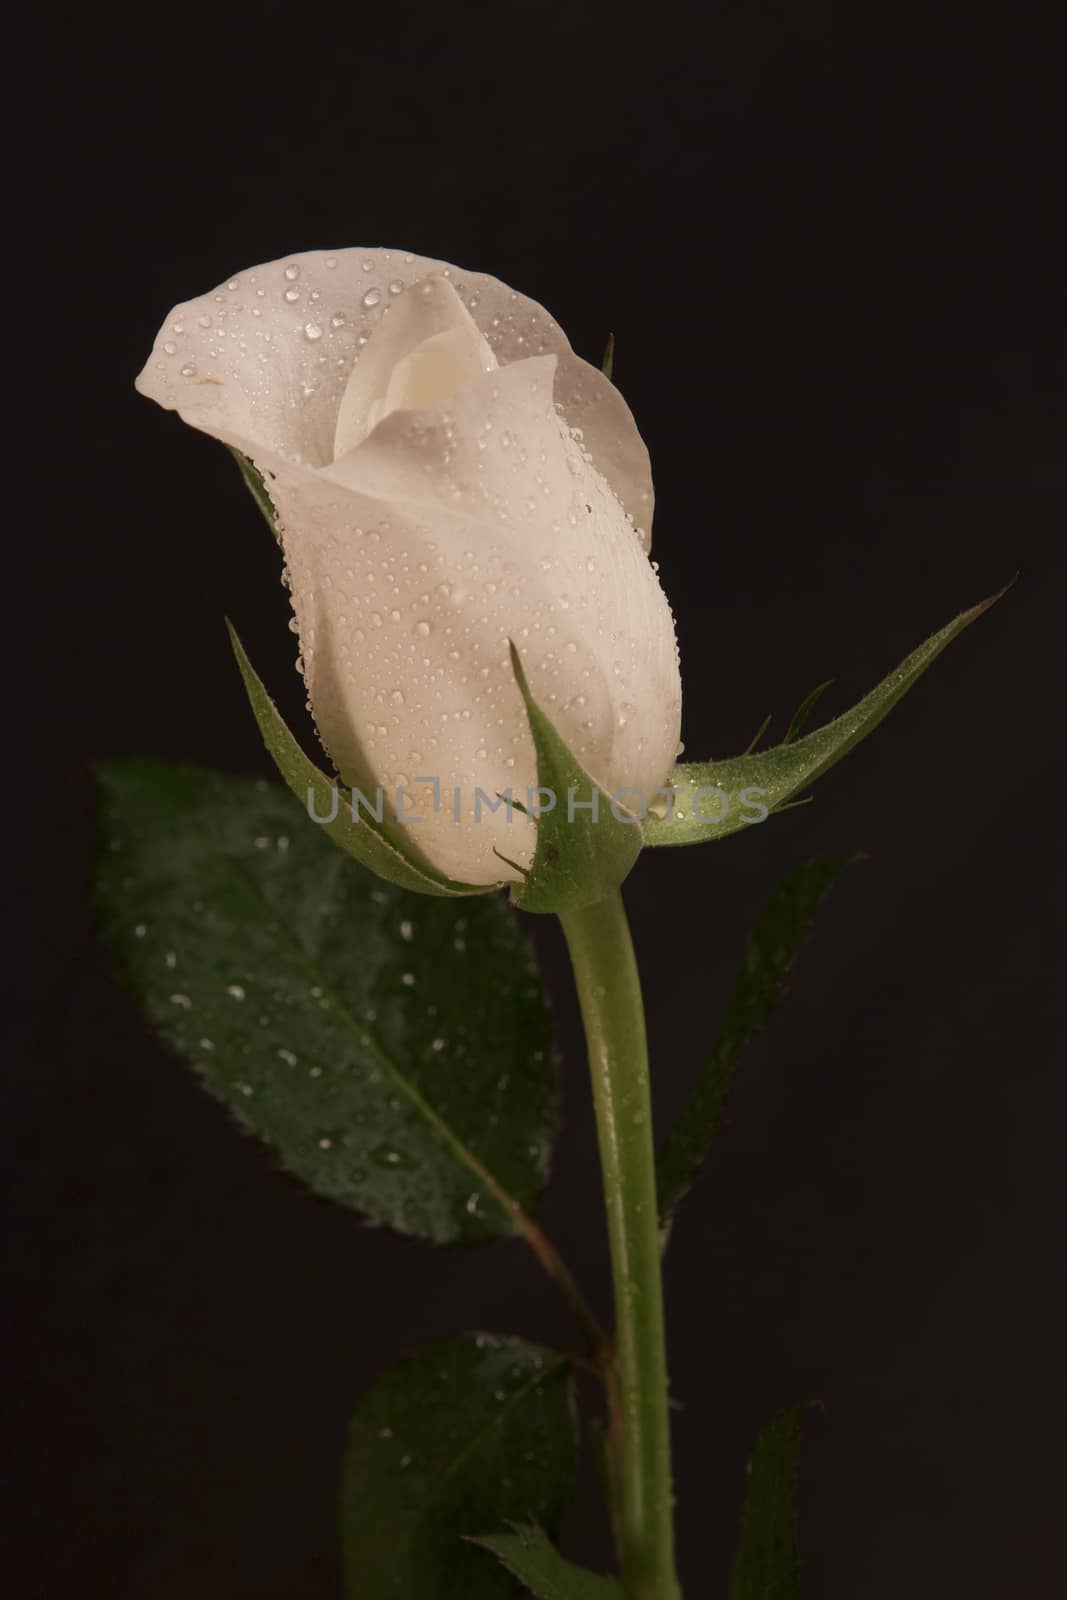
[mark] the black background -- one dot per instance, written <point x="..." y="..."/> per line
<point x="828" y="253"/>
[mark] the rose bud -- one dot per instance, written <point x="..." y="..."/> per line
<point x="446" y="476"/>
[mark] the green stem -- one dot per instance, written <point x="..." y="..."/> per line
<point x="609" y="990"/>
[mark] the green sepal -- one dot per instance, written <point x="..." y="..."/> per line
<point x="467" y="1434"/>
<point x="769" y="954"/>
<point x="538" y="1565"/>
<point x="771" y="778"/>
<point x="382" y="847"/>
<point x="257" y="487"/>
<point x="767" y="1564"/>
<point x="578" y="861"/>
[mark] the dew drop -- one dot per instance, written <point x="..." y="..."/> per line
<point x="372" y="297"/>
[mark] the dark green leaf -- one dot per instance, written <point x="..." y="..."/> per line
<point x="769" y="778"/>
<point x="384" y="847"/>
<point x="767" y="1565"/>
<point x="257" y="488"/>
<point x="531" y="1556"/>
<point x="757" y="989"/>
<point x="577" y="861"/>
<point x="460" y="1438"/>
<point x="392" y="1050"/>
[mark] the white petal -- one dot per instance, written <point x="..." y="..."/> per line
<point x="267" y="357"/>
<point x="418" y="555"/>
<point x="417" y="358"/>
<point x="597" y="411"/>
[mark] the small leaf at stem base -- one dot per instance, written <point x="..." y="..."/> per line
<point x="530" y="1555"/>
<point x="466" y="1434"/>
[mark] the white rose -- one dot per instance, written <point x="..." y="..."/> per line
<point x="447" y="475"/>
